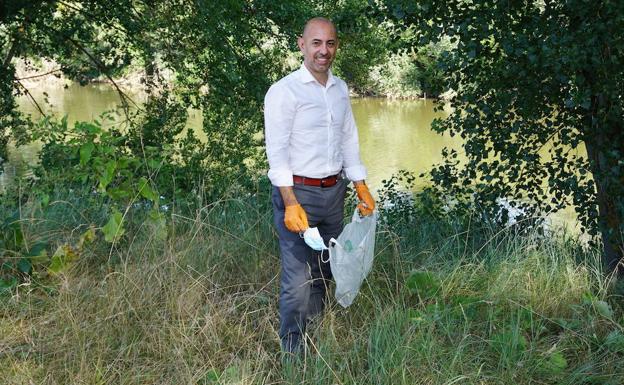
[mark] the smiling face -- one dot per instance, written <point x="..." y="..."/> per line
<point x="318" y="45"/>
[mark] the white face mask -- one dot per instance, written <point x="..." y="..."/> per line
<point x="312" y="238"/>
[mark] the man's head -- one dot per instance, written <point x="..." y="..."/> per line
<point x="318" y="45"/>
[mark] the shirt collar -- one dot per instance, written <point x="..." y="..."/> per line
<point x="307" y="77"/>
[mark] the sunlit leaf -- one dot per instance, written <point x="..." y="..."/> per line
<point x="87" y="237"/>
<point x="113" y="229"/>
<point x="62" y="259"/>
<point x="146" y="191"/>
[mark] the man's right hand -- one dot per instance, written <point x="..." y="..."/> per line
<point x="295" y="218"/>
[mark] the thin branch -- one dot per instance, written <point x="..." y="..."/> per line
<point x="120" y="27"/>
<point x="10" y="54"/>
<point x="124" y="98"/>
<point x="122" y="95"/>
<point x="39" y="75"/>
<point x="32" y="99"/>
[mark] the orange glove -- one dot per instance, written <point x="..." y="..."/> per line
<point x="367" y="204"/>
<point x="295" y="218"/>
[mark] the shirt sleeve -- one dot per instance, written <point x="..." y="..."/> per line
<point x="279" y="113"/>
<point x="352" y="164"/>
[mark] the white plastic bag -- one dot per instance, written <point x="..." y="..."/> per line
<point x="351" y="256"/>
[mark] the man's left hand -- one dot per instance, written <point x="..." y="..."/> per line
<point x="367" y="203"/>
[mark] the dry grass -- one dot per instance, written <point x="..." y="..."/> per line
<point x="200" y="308"/>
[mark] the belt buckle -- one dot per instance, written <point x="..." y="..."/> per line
<point x="323" y="182"/>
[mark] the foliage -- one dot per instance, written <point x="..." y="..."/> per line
<point x="200" y="306"/>
<point x="223" y="56"/>
<point x="364" y="41"/>
<point x="395" y="199"/>
<point x="410" y="72"/>
<point x="397" y="77"/>
<point x="537" y="83"/>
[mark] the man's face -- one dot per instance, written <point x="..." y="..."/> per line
<point x="318" y="45"/>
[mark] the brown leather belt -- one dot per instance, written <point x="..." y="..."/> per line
<point x="317" y="182"/>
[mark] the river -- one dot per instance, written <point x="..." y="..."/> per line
<point x="394" y="134"/>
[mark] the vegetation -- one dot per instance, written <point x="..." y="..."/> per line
<point x="537" y="82"/>
<point x="140" y="254"/>
<point x="448" y="301"/>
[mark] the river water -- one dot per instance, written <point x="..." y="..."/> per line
<point x="394" y="134"/>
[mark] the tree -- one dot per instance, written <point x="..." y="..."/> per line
<point x="537" y="83"/>
<point x="223" y="56"/>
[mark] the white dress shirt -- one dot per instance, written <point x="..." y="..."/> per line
<point x="310" y="130"/>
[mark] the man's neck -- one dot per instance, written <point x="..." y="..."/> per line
<point x="321" y="77"/>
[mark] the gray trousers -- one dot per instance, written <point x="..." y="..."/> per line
<point x="304" y="277"/>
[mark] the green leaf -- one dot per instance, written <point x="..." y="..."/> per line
<point x="615" y="341"/>
<point x="85" y="152"/>
<point x="554" y="364"/>
<point x="107" y="174"/>
<point x="118" y="193"/>
<point x="44" y="199"/>
<point x="38" y="253"/>
<point x="24" y="266"/>
<point x="211" y="377"/>
<point x="113" y="229"/>
<point x="146" y="191"/>
<point x="510" y="345"/>
<point x="89" y="128"/>
<point x="154" y="163"/>
<point x="62" y="259"/>
<point x="604" y="309"/>
<point x="7" y="284"/>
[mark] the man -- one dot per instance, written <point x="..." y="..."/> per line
<point x="311" y="140"/>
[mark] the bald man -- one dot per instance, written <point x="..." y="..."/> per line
<point x="312" y="148"/>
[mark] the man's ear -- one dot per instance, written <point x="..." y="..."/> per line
<point x="300" y="43"/>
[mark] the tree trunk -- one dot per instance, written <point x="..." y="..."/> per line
<point x="599" y="141"/>
<point x="610" y="220"/>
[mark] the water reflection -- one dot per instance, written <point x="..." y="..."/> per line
<point x="394" y="135"/>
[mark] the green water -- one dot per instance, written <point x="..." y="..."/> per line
<point x="394" y="135"/>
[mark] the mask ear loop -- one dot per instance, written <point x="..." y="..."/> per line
<point x="328" y="256"/>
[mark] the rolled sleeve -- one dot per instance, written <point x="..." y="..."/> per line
<point x="279" y="112"/>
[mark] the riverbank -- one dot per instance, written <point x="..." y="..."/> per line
<point x="388" y="80"/>
<point x="447" y="302"/>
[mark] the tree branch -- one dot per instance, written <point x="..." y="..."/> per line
<point x="10" y="54"/>
<point x="124" y="98"/>
<point x="120" y="27"/>
<point x="39" y="75"/>
<point x="32" y="99"/>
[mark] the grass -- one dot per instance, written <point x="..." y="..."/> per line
<point x="444" y="304"/>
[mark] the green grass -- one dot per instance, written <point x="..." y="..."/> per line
<point x="444" y="304"/>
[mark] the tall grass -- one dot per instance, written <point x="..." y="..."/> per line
<point x="444" y="304"/>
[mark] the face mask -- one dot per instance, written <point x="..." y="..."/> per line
<point x="313" y="239"/>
